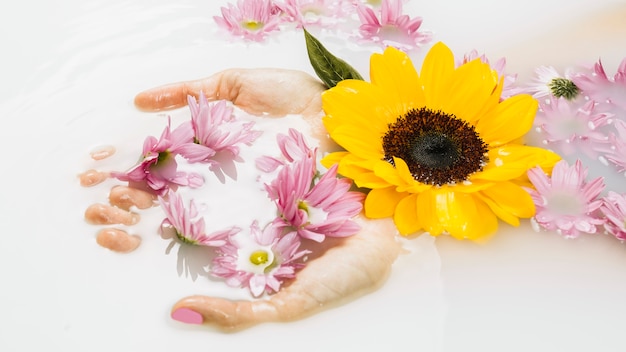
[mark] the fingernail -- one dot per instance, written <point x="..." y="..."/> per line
<point x="188" y="316"/>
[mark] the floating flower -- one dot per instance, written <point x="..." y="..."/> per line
<point x="440" y="151"/>
<point x="393" y="28"/>
<point x="292" y="146"/>
<point x="260" y="261"/>
<point x="614" y="209"/>
<point x="616" y="152"/>
<point x="549" y="82"/>
<point x="189" y="224"/>
<point x="599" y="87"/>
<point x="573" y="126"/>
<point x="315" y="209"/>
<point x="158" y="167"/>
<point x="250" y="19"/>
<point x="324" y="13"/>
<point x="216" y="130"/>
<point x="566" y="202"/>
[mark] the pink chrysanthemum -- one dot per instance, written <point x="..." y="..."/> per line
<point x="315" y="209"/>
<point x="323" y="13"/>
<point x="573" y="126"/>
<point x="250" y="19"/>
<point x="565" y="202"/>
<point x="614" y="209"/>
<point x="260" y="260"/>
<point x="599" y="87"/>
<point x="215" y="130"/>
<point x="189" y="224"/>
<point x="392" y="28"/>
<point x="158" y="168"/>
<point x="292" y="146"/>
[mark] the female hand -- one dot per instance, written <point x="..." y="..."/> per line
<point x="348" y="267"/>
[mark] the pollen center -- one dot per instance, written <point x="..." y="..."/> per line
<point x="438" y="148"/>
<point x="252" y="25"/>
<point x="259" y="257"/>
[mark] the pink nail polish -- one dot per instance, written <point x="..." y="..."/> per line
<point x="188" y="316"/>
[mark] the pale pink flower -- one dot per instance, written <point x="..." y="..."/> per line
<point x="390" y="27"/>
<point x="260" y="260"/>
<point x="573" y="126"/>
<point x="601" y="88"/>
<point x="614" y="209"/>
<point x="250" y="19"/>
<point x="315" y="209"/>
<point x="189" y="224"/>
<point x="566" y="202"/>
<point x="322" y="13"/>
<point x="616" y="152"/>
<point x="548" y="82"/>
<point x="216" y="130"/>
<point x="292" y="146"/>
<point x="158" y="168"/>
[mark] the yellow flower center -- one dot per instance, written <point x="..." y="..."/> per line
<point x="252" y="25"/>
<point x="437" y="147"/>
<point x="259" y="257"/>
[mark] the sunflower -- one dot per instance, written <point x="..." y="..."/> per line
<point x="439" y="151"/>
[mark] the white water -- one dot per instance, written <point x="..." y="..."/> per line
<point x="69" y="73"/>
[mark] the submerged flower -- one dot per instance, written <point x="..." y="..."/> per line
<point x="215" y="130"/>
<point x="566" y="202"/>
<point x="616" y="152"/>
<point x="189" y="224"/>
<point x="392" y="28"/>
<point x="614" y="209"/>
<point x="601" y="88"/>
<point x="572" y="127"/>
<point x="250" y="19"/>
<point x="324" y="13"/>
<point x="315" y="209"/>
<point x="158" y="167"/>
<point x="260" y="261"/>
<point x="440" y="151"/>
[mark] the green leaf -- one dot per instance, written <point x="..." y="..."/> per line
<point x="329" y="68"/>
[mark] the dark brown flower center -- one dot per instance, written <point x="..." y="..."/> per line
<point x="438" y="147"/>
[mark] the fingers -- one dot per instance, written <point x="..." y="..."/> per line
<point x="275" y="92"/>
<point x="172" y="96"/>
<point x="222" y="313"/>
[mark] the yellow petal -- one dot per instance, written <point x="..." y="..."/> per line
<point x="359" y="142"/>
<point x="459" y="214"/>
<point x="427" y="214"/>
<point x="394" y="72"/>
<point x="436" y="70"/>
<point x="354" y="103"/>
<point x="509" y="202"/>
<point x="333" y="158"/>
<point x="510" y="120"/>
<point x="405" y="216"/>
<point x="382" y="202"/>
<point x="513" y="161"/>
<point x="362" y="177"/>
<point x="470" y="91"/>
<point x="399" y="175"/>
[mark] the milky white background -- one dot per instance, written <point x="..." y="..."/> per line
<point x="68" y="74"/>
